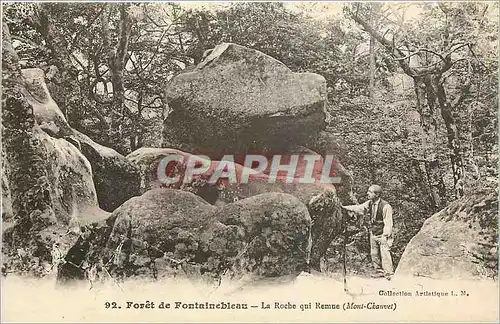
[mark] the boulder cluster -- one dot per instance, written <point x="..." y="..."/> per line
<point x="115" y="217"/>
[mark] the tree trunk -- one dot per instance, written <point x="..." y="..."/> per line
<point x="371" y="156"/>
<point x="115" y="57"/>
<point x="456" y="154"/>
<point x="426" y="97"/>
<point x="372" y="68"/>
<point x="326" y="215"/>
<point x="374" y="9"/>
<point x="426" y="100"/>
<point x="436" y="183"/>
<point x="431" y="98"/>
<point x="419" y="179"/>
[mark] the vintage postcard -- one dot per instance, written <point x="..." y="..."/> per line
<point x="249" y="162"/>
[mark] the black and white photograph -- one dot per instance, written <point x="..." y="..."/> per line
<point x="249" y="161"/>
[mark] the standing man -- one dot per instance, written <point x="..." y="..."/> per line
<point x="379" y="213"/>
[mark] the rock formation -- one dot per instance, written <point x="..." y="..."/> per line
<point x="167" y="231"/>
<point x="49" y="182"/>
<point x="265" y="229"/>
<point x="320" y="199"/>
<point x="115" y="178"/>
<point x="459" y="242"/>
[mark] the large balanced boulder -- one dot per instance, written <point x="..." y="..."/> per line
<point x="239" y="99"/>
<point x="459" y="242"/>
<point x="168" y="231"/>
<point x="116" y="179"/>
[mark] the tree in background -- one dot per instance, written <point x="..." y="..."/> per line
<point x="439" y="56"/>
<point x="95" y="57"/>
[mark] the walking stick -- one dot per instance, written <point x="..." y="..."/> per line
<point x="344" y="257"/>
<point x="344" y="253"/>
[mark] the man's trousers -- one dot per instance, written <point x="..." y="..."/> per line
<point x="381" y="254"/>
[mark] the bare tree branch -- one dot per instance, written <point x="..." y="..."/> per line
<point x="443" y="8"/>
<point x="397" y="53"/>
<point x="457" y="48"/>
<point x="147" y="105"/>
<point x="153" y="21"/>
<point x="157" y="49"/>
<point x="73" y="56"/>
<point x="477" y="59"/>
<point x="407" y="57"/>
<point x="432" y="52"/>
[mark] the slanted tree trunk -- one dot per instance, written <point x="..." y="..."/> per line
<point x="372" y="167"/>
<point x="431" y="98"/>
<point x="372" y="68"/>
<point x="326" y="215"/>
<point x="425" y="103"/>
<point x="26" y="171"/>
<point x="419" y="177"/>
